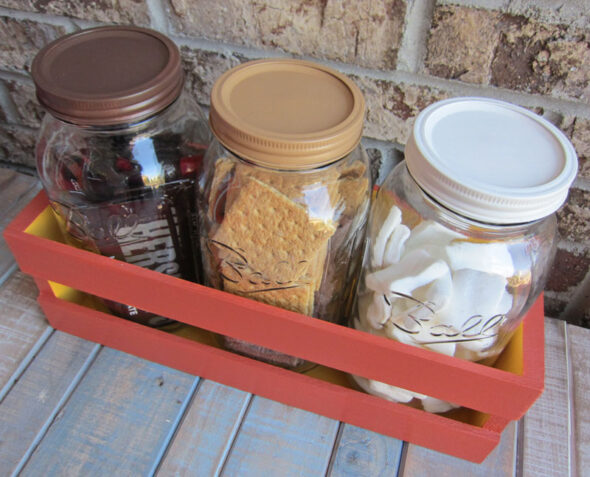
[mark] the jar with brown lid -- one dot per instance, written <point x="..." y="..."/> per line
<point x="119" y="148"/>
<point x="284" y="191"/>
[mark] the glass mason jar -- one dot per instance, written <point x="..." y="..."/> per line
<point x="119" y="149"/>
<point x="462" y="233"/>
<point x="284" y="191"/>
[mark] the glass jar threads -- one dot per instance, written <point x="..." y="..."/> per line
<point x="120" y="147"/>
<point x="284" y="192"/>
<point x="462" y="233"/>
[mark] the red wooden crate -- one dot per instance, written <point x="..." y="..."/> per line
<point x="494" y="395"/>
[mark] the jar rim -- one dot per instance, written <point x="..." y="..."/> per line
<point x="287" y="113"/>
<point x="108" y="75"/>
<point x="491" y="160"/>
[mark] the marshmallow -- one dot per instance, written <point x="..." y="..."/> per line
<point x="393" y="219"/>
<point x="378" y="311"/>
<point x="430" y="233"/>
<point x="415" y="269"/>
<point x="474" y="293"/>
<point x="395" y="245"/>
<point x="434" y="289"/>
<point x="484" y="257"/>
<point x="431" y="404"/>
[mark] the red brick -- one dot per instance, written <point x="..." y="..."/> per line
<point x="22" y="94"/>
<point x="134" y="12"/>
<point x="574" y="217"/>
<point x="362" y="33"/>
<point x="202" y="68"/>
<point x="461" y="43"/>
<point x="568" y="271"/>
<point x="17" y="144"/>
<point x="392" y="107"/>
<point x="554" y="306"/>
<point x="20" y="40"/>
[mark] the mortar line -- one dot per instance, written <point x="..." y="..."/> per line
<point x="454" y="87"/>
<point x="7" y="104"/>
<point x="56" y="20"/>
<point x="158" y="17"/>
<point x="413" y="48"/>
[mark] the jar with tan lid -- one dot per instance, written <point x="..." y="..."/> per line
<point x="284" y="192"/>
<point x="119" y="149"/>
<point x="462" y="233"/>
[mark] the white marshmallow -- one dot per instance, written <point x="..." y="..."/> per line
<point x="474" y="293"/>
<point x="414" y="270"/>
<point x="431" y="404"/>
<point x="491" y="258"/>
<point x="442" y="348"/>
<point x="378" y="311"/>
<point x="395" y="245"/>
<point x="438" y="293"/>
<point x="431" y="234"/>
<point x="379" y="240"/>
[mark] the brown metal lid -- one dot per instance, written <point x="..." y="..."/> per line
<point x="108" y="75"/>
<point x="287" y="114"/>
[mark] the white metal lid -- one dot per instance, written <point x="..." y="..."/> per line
<point x="490" y="160"/>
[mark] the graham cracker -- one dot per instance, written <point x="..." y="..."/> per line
<point x="297" y="298"/>
<point x="318" y="190"/>
<point x="274" y="234"/>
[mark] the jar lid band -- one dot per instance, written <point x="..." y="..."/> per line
<point x="288" y="114"/>
<point x="490" y="160"/>
<point x="108" y="75"/>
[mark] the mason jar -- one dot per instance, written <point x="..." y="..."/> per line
<point x="119" y="149"/>
<point x="284" y="191"/>
<point x="462" y="233"/>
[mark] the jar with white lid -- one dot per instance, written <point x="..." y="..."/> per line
<point x="119" y="149"/>
<point x="284" y="192"/>
<point x="462" y="233"/>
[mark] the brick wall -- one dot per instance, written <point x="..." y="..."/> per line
<point x="404" y="54"/>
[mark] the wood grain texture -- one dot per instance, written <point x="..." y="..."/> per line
<point x="16" y="190"/>
<point x="546" y="424"/>
<point x="275" y="439"/>
<point x="419" y="461"/>
<point x="35" y="399"/>
<point x="362" y="452"/>
<point x="21" y="323"/>
<point x="579" y="353"/>
<point x="208" y="428"/>
<point x="115" y="422"/>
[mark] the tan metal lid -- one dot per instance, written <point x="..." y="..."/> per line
<point x="108" y="75"/>
<point x="287" y="114"/>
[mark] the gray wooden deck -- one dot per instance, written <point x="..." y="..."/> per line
<point x="72" y="407"/>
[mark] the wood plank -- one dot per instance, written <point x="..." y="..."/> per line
<point x="280" y="440"/>
<point x="208" y="428"/>
<point x="35" y="399"/>
<point x="16" y="190"/>
<point x="117" y="420"/>
<point x="21" y="324"/>
<point x="579" y="353"/>
<point x="419" y="461"/>
<point x="546" y="424"/>
<point x="362" y="452"/>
